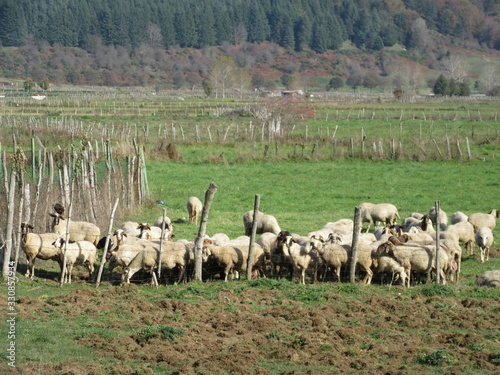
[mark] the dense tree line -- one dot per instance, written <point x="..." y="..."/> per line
<point x="293" y="24"/>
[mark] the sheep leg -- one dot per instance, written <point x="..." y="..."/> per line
<point x="487" y="251"/>
<point x="481" y="249"/>
<point x="181" y="274"/>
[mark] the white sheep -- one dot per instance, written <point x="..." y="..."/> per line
<point x="219" y="238"/>
<point x="334" y="256"/>
<point x="79" y="252"/>
<point x="300" y="256"/>
<point x="37" y="246"/>
<point x="265" y="223"/>
<point x="385" y="264"/>
<point x="148" y="232"/>
<point x="384" y="212"/>
<point x="443" y="217"/>
<point x="266" y="241"/>
<point x="489" y="278"/>
<point x="131" y="229"/>
<point x="194" y="207"/>
<point x="458" y="217"/>
<point x="420" y="259"/>
<point x="489" y="220"/>
<point x="461" y="232"/>
<point x="78" y="230"/>
<point x="173" y="255"/>
<point x="168" y="223"/>
<point x="484" y="239"/>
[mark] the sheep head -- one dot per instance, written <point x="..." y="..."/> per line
<point x="59" y="208"/>
<point x="59" y="242"/>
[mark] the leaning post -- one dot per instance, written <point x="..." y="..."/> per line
<point x="106" y="245"/>
<point x="198" y="243"/>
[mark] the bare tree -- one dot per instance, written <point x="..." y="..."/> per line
<point x="221" y="75"/>
<point x="455" y="67"/>
<point x="242" y="80"/>
<point x="239" y="34"/>
<point x="154" y="35"/>
<point x="489" y="79"/>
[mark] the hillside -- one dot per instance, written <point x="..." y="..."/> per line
<point x="402" y="44"/>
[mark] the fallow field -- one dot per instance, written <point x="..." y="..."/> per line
<point x="329" y="155"/>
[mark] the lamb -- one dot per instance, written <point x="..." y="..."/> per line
<point x="489" y="220"/>
<point x="194" y="208"/>
<point x="168" y="223"/>
<point x="78" y="230"/>
<point x="79" y="252"/>
<point x="174" y="255"/>
<point x="384" y="212"/>
<point x="484" y="239"/>
<point x="265" y="223"/>
<point x="458" y="217"/>
<point x="37" y="246"/>
<point x="489" y="278"/>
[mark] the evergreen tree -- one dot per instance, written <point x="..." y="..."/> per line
<point x="13" y="25"/>
<point x="334" y="84"/>
<point x="258" y="25"/>
<point x="319" y="42"/>
<point x="205" y="27"/>
<point x="222" y="26"/>
<point x="441" y="86"/>
<point x="303" y="33"/>
<point x="287" y="37"/>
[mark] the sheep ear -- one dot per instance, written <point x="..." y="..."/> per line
<point x="53" y="215"/>
<point x="30" y="226"/>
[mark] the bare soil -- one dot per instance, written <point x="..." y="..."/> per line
<point x="259" y="331"/>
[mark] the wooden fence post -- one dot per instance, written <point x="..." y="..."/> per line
<point x="198" y="243"/>
<point x="105" y="251"/>
<point x="252" y="237"/>
<point x="161" y="244"/>
<point x="437" y="206"/>
<point x="354" y="245"/>
<point x="10" y="225"/>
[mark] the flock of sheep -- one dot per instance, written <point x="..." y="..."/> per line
<point x="402" y="252"/>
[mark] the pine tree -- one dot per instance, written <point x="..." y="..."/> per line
<point x="441" y="86"/>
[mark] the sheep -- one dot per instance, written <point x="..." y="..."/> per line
<point x="384" y="212"/>
<point x="37" y="246"/>
<point x="266" y="241"/>
<point x="153" y="233"/>
<point x="334" y="256"/>
<point x="489" y="278"/>
<point x="461" y="232"/>
<point x="168" y="223"/>
<point x="424" y="223"/>
<point x="131" y="229"/>
<point x="443" y="217"/>
<point x="219" y="238"/>
<point x="386" y="264"/>
<point x="233" y="258"/>
<point x="265" y="223"/>
<point x="173" y="255"/>
<point x="78" y="230"/>
<point x="194" y="208"/>
<point x="416" y="258"/>
<point x="79" y="252"/>
<point x="484" y="239"/>
<point x="489" y="220"/>
<point x="279" y="256"/>
<point x="458" y="217"/>
<point x="301" y="257"/>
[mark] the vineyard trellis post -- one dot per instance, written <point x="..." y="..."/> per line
<point x="161" y="243"/>
<point x="198" y="243"/>
<point x="252" y="237"/>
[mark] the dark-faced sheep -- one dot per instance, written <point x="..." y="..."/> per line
<point x="265" y="223"/>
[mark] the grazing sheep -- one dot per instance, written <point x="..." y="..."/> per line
<point x="233" y="258"/>
<point x="461" y="232"/>
<point x="194" y="208"/>
<point x="37" y="246"/>
<point x="458" y="217"/>
<point x="79" y="252"/>
<point x="265" y="223"/>
<point x="78" y="230"/>
<point x="384" y="212"/>
<point x="168" y="223"/>
<point x="385" y="264"/>
<point x="174" y="255"/>
<point x="220" y="238"/>
<point x="479" y="220"/>
<point x="420" y="259"/>
<point x="153" y="233"/>
<point x="424" y="224"/>
<point x="484" y="239"/>
<point x="443" y="217"/>
<point x="489" y="278"/>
